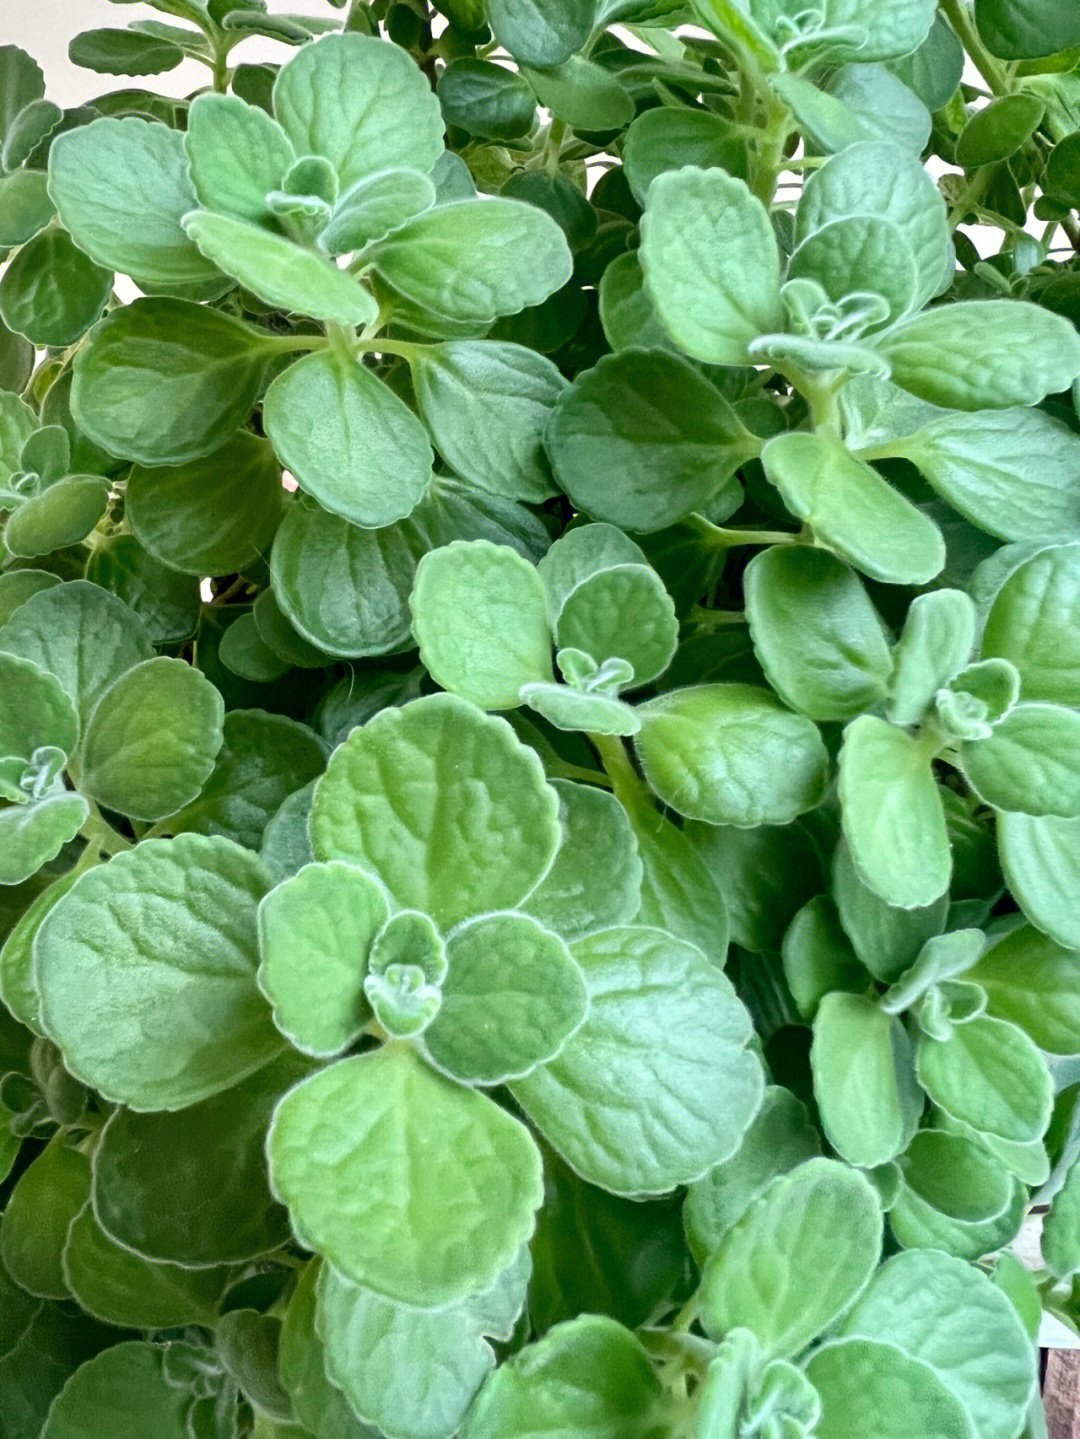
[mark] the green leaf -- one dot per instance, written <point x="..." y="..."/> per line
<point x="678" y="892"/>
<point x="348" y="439"/>
<point x="623" y="612"/>
<point x="486" y="405"/>
<point x="416" y="1187"/>
<point x="82" y="635"/>
<point x="818" y="957"/>
<point x="361" y="103"/>
<point x="248" y="1346"/>
<point x="983" y="355"/>
<point x="51" y="292"/>
<point x="669" y="139"/>
<point x="989" y="1075"/>
<point x="264" y="759"/>
<point x="406" y="967"/>
<point x="1034" y="983"/>
<point x="375" y="205"/>
<point x="1026" y="29"/>
<point x="63" y="514"/>
<point x="779" y="1139"/>
<point x="487" y="100"/>
<point x="123" y="52"/>
<point x="328" y="914"/>
<point x="864" y="1080"/>
<point x="998" y="130"/>
<point x="1060" y="1237"/>
<point x="816" y="633"/>
<point x="1041" y="860"/>
<point x="34" y="710"/>
<point x="657" y="1085"/>
<point x="642" y="439"/>
<point x="859" y="254"/>
<point x="32" y="834"/>
<point x="583" y="94"/>
<point x="511" y="999"/>
<point x="117" y="1393"/>
<point x="797" y="1259"/>
<point x="731" y="754"/>
<point x="892" y="814"/>
<point x="443" y="804"/>
<point x="278" y="270"/>
<point x="236" y="155"/>
<point x="322" y="1408"/>
<point x="23" y="83"/>
<point x="1010" y="473"/>
<point x="626" y="311"/>
<point x="122" y="1288"/>
<point x="871" y="1384"/>
<point x="590" y="1377"/>
<point x="952" y="1317"/>
<point x="414" y="1371"/>
<point x="164" y="381"/>
<point x="846" y="29"/>
<point x="595" y="881"/>
<point x="1030" y="763"/>
<point x="956" y="1177"/>
<point x="480" y="617"/>
<point x="243" y="651"/>
<point x="711" y="262"/>
<point x="121" y="187"/>
<point x="26" y="207"/>
<point x="886" y="939"/>
<point x="172" y="939"/>
<point x="1035" y="623"/>
<point x="935" y="642"/>
<point x="151" y="741"/>
<point x="852" y="510"/>
<point x="541" y="32"/>
<point x="216" y="1210"/>
<point x="473" y="261"/>
<point x="46" y="1197"/>
<point x="210" y="516"/>
<point x="17" y="986"/>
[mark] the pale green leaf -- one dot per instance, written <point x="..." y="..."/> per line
<point x="1041" y="860"/>
<point x="871" y="1385"/>
<point x="657" y="1084"/>
<point x="279" y="271"/>
<point x="1030" y="763"/>
<point x="989" y="1075"/>
<point x="512" y="998"/>
<point x="893" y="817"/>
<point x="480" y="617"/>
<point x="1034" y="983"/>
<point x="348" y="439"/>
<point x="711" y="264"/>
<point x="443" y="804"/>
<point x="936" y="641"/>
<point x="731" y="754"/>
<point x="151" y="741"/>
<point x="321" y="922"/>
<point x="146" y="970"/>
<point x="408" y="1184"/>
<point x="1035" y="622"/>
<point x="236" y="155"/>
<point x="797" y="1259"/>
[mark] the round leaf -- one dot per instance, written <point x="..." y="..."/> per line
<point x="151" y="741"/>
<point x="731" y="754"/>
<point x="443" y="804"/>
<point x="409" y="1184"/>
<point x="120" y="1392"/>
<point x="51" y="292"/>
<point x="210" y="516"/>
<point x="1041" y="860"/>
<point x="989" y="1075"/>
<point x="163" y="936"/>
<point x="624" y="613"/>
<point x="322" y="920"/>
<point x="642" y="439"/>
<point x="657" y="1085"/>
<point x="511" y="999"/>
<point x="348" y="439"/>
<point x="1035" y="623"/>
<point x="1030" y="762"/>
<point x="34" y="709"/>
<point x="480" y="617"/>
<point x="798" y="1258"/>
<point x="870" y="1385"/>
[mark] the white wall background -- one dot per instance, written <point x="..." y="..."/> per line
<point x="44" y="28"/>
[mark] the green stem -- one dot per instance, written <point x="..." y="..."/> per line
<point x="563" y="770"/>
<point x="553" y="145"/>
<point x="960" y="18"/>
<point x="628" y="789"/>
<point x="99" y="833"/>
<point x="725" y="539"/>
<point x="220" y="67"/>
<point x="287" y="344"/>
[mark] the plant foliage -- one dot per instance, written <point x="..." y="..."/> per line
<point x="540" y="722"/>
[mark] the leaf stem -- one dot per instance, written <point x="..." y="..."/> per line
<point x="627" y="787"/>
<point x="725" y="539"/>
<point x="99" y="833"/>
<point x="960" y="18"/>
